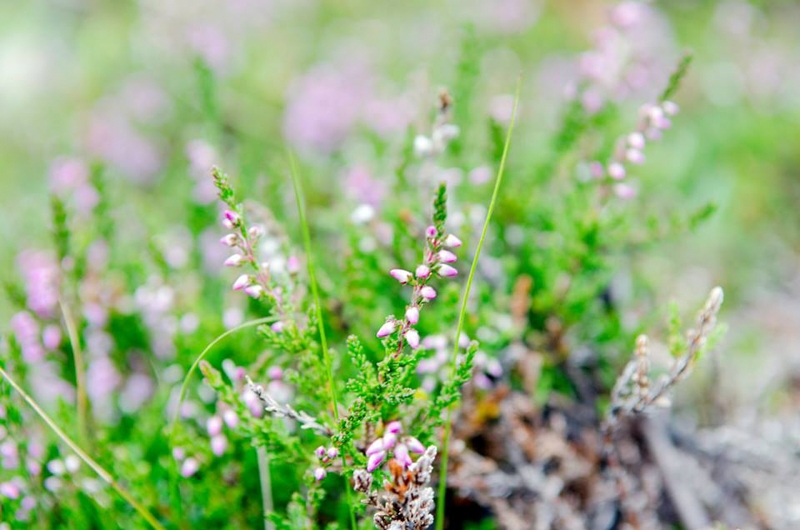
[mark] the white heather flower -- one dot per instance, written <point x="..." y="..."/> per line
<point x="670" y="108"/>
<point x="412" y="315"/>
<point x="446" y="271"/>
<point x="616" y="171"/>
<point x="230" y="240"/>
<point x="241" y="282"/>
<point x="452" y="241"/>
<point x="72" y="463"/>
<point x="362" y="214"/>
<point x="234" y="261"/>
<point x="231" y="418"/>
<point x="636" y="140"/>
<point x="320" y="473"/>
<point x="423" y="146"/>
<point x="445" y="256"/>
<point x="634" y="156"/>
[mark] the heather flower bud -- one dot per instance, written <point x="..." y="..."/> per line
<point x="414" y="445"/>
<point x="214" y="425"/>
<point x="375" y="447"/>
<point x="232" y="219"/>
<point x="596" y="170"/>
<point x="277" y="327"/>
<point x="218" y="445"/>
<point x="624" y="191"/>
<point x="387" y="329"/>
<point x="445" y="256"/>
<point x="293" y="265"/>
<point x="189" y="467"/>
<point x="423" y="146"/>
<point x="255" y="232"/>
<point x="394" y="427"/>
<point x="423" y="272"/>
<point x="254" y="291"/>
<point x="636" y="140"/>
<point x="616" y="171"/>
<point x="241" y="282"/>
<point x="320" y="473"/>
<point x="402" y="456"/>
<point x="401" y="275"/>
<point x="231" y="418"/>
<point x="670" y="108"/>
<point x="430" y="232"/>
<point x="446" y="271"/>
<point x="412" y="315"/>
<point x="275" y="373"/>
<point x="230" y="240"/>
<point x="428" y="292"/>
<point x="320" y="452"/>
<point x="333" y="453"/>
<point x="412" y="338"/>
<point x="389" y="440"/>
<point x="234" y="261"/>
<point x="634" y="156"/>
<point x="375" y="460"/>
<point x="452" y="241"/>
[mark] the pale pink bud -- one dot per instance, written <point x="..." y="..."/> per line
<point x="401" y="275"/>
<point x="293" y="265"/>
<point x="616" y="171"/>
<point x="634" y="156"/>
<point x="218" y="445"/>
<point x="189" y="467"/>
<point x="670" y="108"/>
<point x="389" y="440"/>
<point x="9" y="490"/>
<point x="254" y="291"/>
<point x="231" y="418"/>
<point x="394" y="427"/>
<point x="387" y="329"/>
<point x="636" y="140"/>
<point x="320" y="452"/>
<point x="275" y="372"/>
<point x="412" y="338"/>
<point x="428" y="292"/>
<point x="446" y="271"/>
<point x="653" y="133"/>
<point x="624" y="191"/>
<point x="431" y="232"/>
<point x="255" y="232"/>
<point x="230" y="240"/>
<point x="277" y="327"/>
<point x="662" y="123"/>
<point x="402" y="456"/>
<point x="375" y="447"/>
<point x="320" y="473"/>
<point x="414" y="445"/>
<point x="232" y="217"/>
<point x="214" y="425"/>
<point x="412" y="314"/>
<point x="423" y="272"/>
<point x="452" y="241"/>
<point x="234" y="261"/>
<point x="333" y="453"/>
<point x="51" y="337"/>
<point x="179" y="453"/>
<point x="241" y="282"/>
<point x="445" y="256"/>
<point x="375" y="460"/>
<point x="596" y="170"/>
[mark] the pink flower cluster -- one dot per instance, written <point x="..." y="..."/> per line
<point x="400" y="447"/>
<point x="325" y="457"/>
<point x="653" y="119"/>
<point x="436" y="262"/>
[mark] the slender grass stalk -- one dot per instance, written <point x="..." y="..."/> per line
<point x="97" y="468"/>
<point x="440" y="505"/>
<point x="81" y="398"/>
<point x="312" y="278"/>
<point x="266" y="486"/>
<point x="193" y="368"/>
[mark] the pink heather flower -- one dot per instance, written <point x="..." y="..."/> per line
<point x="51" y="337"/>
<point x="179" y="453"/>
<point x="241" y="282"/>
<point x="670" y="108"/>
<point x="189" y="467"/>
<point x="232" y="219"/>
<point x="431" y="232"/>
<point x="402" y="456"/>
<point x="412" y="337"/>
<point x="636" y="140"/>
<point x="653" y="133"/>
<point x="446" y="271"/>
<point x="231" y="418"/>
<point x="394" y="427"/>
<point x="320" y="452"/>
<point x="218" y="445"/>
<point x="401" y="275"/>
<point x="412" y="315"/>
<point x="423" y="272"/>
<point x="447" y="257"/>
<point x="333" y="453"/>
<point x="616" y="171"/>
<point x="230" y="240"/>
<point x="375" y="447"/>
<point x="634" y="156"/>
<point x="387" y="329"/>
<point x="375" y="460"/>
<point x="254" y="291"/>
<point x="293" y="265"/>
<point x="655" y="113"/>
<point x="414" y="445"/>
<point x="389" y="440"/>
<point x="214" y="425"/>
<point x="624" y="191"/>
<point x="662" y="123"/>
<point x="320" y="473"/>
<point x="9" y="490"/>
<point x="275" y="372"/>
<point x="452" y="241"/>
<point x="428" y="292"/>
<point x="255" y="231"/>
<point x="277" y="327"/>
<point x="234" y="261"/>
<point x="596" y="170"/>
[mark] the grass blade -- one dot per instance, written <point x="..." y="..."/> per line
<point x="440" y="505"/>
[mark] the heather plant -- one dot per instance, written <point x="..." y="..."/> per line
<point x="386" y="323"/>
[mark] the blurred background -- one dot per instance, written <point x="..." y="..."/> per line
<point x="147" y="88"/>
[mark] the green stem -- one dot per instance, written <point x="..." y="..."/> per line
<point x="82" y="400"/>
<point x="101" y="472"/>
<point x="312" y="278"/>
<point x="266" y="486"/>
<point x="462" y="314"/>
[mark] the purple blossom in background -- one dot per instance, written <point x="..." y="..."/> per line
<point x="42" y="279"/>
